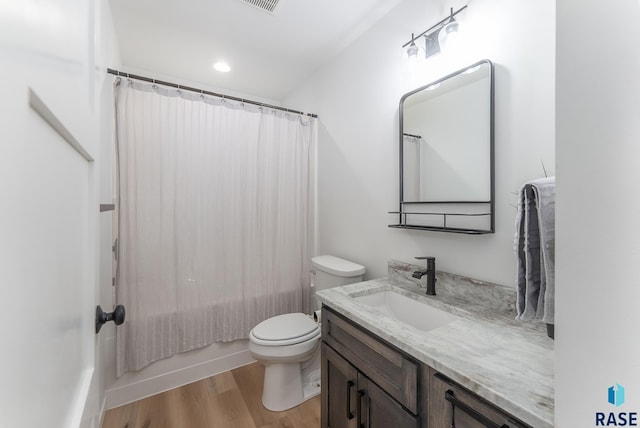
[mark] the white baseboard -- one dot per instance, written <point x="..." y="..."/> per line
<point x="134" y="391"/>
<point x="103" y="409"/>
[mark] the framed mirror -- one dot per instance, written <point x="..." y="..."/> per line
<point x="447" y="153"/>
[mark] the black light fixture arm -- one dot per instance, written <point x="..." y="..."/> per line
<point x="435" y="25"/>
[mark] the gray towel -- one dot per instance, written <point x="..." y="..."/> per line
<point x="535" y="250"/>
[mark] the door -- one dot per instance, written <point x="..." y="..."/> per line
<point x="48" y="215"/>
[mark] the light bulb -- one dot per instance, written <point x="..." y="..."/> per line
<point x="448" y="33"/>
<point x="412" y="51"/>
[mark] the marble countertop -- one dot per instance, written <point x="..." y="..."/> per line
<point x="507" y="362"/>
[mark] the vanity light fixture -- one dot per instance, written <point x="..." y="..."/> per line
<point x="436" y="37"/>
<point x="449" y="31"/>
<point x="412" y="50"/>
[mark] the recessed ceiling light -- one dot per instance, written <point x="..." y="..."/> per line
<point x="222" y="67"/>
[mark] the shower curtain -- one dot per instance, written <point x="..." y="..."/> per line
<point x="411" y="162"/>
<point x="215" y="218"/>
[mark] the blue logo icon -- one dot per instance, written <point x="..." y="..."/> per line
<point x="616" y="395"/>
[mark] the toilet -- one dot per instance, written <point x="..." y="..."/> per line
<point x="289" y="345"/>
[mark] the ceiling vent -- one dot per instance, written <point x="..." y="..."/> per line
<point x="270" y="6"/>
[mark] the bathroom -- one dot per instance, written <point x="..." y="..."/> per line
<point x="566" y="98"/>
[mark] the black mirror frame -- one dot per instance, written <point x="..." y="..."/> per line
<point x="402" y="213"/>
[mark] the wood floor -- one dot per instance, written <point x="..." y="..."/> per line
<point x="231" y="399"/>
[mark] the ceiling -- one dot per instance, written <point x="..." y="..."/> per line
<point x="269" y="55"/>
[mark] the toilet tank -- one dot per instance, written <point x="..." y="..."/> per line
<point x="331" y="271"/>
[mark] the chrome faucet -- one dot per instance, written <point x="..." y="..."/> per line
<point x="430" y="272"/>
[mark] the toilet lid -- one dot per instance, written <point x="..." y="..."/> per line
<point x="284" y="327"/>
<point x="337" y="266"/>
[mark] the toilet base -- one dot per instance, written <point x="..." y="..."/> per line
<point x="282" y="386"/>
<point x="287" y="385"/>
<point x="311" y="385"/>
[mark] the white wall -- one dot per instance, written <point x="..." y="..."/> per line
<point x="356" y="96"/>
<point x="57" y="48"/>
<point x="598" y="233"/>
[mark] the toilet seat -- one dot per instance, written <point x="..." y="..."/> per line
<point x="286" y="329"/>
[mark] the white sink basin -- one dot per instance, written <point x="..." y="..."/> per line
<point x="409" y="311"/>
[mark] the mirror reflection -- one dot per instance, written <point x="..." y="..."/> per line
<point x="446" y="139"/>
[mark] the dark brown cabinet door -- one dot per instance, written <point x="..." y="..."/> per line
<point x="351" y="400"/>
<point x="339" y="391"/>
<point x="379" y="410"/>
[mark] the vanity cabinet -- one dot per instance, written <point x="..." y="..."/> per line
<point x="365" y="382"/>
<point x="368" y="383"/>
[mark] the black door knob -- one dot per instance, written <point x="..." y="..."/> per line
<point x="117" y="316"/>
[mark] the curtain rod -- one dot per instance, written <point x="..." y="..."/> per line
<point x="202" y="91"/>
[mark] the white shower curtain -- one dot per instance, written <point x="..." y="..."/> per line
<point x="215" y="218"/>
